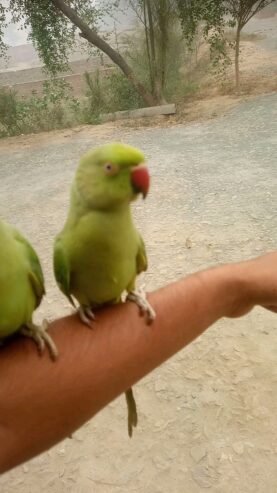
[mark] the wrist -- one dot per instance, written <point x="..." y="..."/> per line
<point x="229" y="287"/>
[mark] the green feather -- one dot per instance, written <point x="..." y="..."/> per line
<point x="21" y="280"/>
<point x="62" y="269"/>
<point x="99" y="253"/>
<point x="142" y="263"/>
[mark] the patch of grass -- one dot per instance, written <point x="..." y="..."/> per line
<point x="9" y="124"/>
<point x="108" y="93"/>
<point x="95" y="104"/>
<point x="122" y="95"/>
<point x="54" y="109"/>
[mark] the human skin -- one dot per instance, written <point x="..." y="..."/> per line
<point x="42" y="402"/>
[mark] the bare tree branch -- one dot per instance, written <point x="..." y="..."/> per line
<point x="92" y="37"/>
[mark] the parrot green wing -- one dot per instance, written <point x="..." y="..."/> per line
<point x="62" y="269"/>
<point x="141" y="260"/>
<point x="35" y="273"/>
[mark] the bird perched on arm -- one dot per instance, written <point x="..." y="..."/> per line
<point x="21" y="289"/>
<point x="99" y="252"/>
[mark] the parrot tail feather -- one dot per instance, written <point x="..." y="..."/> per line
<point x="132" y="411"/>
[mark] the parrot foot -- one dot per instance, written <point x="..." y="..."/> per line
<point x="145" y="308"/>
<point x="41" y="338"/>
<point x="86" y="315"/>
<point x="132" y="411"/>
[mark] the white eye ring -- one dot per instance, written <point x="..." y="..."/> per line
<point x="110" y="169"/>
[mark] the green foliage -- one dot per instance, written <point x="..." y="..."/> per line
<point x="136" y="53"/>
<point x="52" y="33"/>
<point x="183" y="29"/>
<point x="54" y="37"/>
<point x="122" y="95"/>
<point x="208" y="12"/>
<point x="96" y="101"/>
<point x="157" y="18"/>
<point x="108" y="93"/>
<point x="3" y="24"/>
<point x="215" y="16"/>
<point x="241" y="11"/>
<point x="55" y="108"/>
<point x="8" y="113"/>
<point x="211" y="16"/>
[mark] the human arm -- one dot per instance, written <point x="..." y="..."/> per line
<point x="43" y="402"/>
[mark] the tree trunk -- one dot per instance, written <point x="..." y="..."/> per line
<point x="146" y="30"/>
<point x="237" y="46"/>
<point x="92" y="37"/>
<point x="163" y="21"/>
<point x="152" y="41"/>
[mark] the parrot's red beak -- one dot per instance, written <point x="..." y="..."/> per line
<point x="140" y="179"/>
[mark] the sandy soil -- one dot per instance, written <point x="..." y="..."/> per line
<point x="208" y="416"/>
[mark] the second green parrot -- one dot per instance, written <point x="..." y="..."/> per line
<point x="21" y="289"/>
<point x="99" y="252"/>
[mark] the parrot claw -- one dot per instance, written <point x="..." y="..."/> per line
<point x="41" y="338"/>
<point x="145" y="308"/>
<point x="86" y="315"/>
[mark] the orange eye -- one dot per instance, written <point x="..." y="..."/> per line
<point x="110" y="169"/>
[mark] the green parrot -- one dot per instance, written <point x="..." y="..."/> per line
<point x="99" y="252"/>
<point x="21" y="289"/>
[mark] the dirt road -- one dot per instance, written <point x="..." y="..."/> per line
<point x="208" y="416"/>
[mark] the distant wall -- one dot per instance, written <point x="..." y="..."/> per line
<point x="24" y="82"/>
<point x="77" y="82"/>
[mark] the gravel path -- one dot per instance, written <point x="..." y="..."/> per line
<point x="208" y="416"/>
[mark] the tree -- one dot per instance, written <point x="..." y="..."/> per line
<point x="209" y="15"/>
<point x="156" y="17"/>
<point x="53" y="25"/>
<point x="216" y="15"/>
<point x="241" y="12"/>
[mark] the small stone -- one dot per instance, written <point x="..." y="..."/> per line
<point x="238" y="447"/>
<point x="158" y="423"/>
<point x="198" y="452"/>
<point x="160" y="386"/>
<point x="188" y="243"/>
<point x="260" y="412"/>
<point x="243" y="375"/>
<point x="205" y="476"/>
<point x="61" y="451"/>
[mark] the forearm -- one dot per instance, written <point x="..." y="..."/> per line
<point x="43" y="402"/>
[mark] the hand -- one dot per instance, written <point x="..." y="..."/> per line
<point x="256" y="284"/>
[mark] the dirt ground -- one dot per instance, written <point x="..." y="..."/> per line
<point x="207" y="417"/>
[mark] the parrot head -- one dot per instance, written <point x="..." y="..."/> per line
<point x="111" y="175"/>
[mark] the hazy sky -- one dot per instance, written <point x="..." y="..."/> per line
<point x="14" y="36"/>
